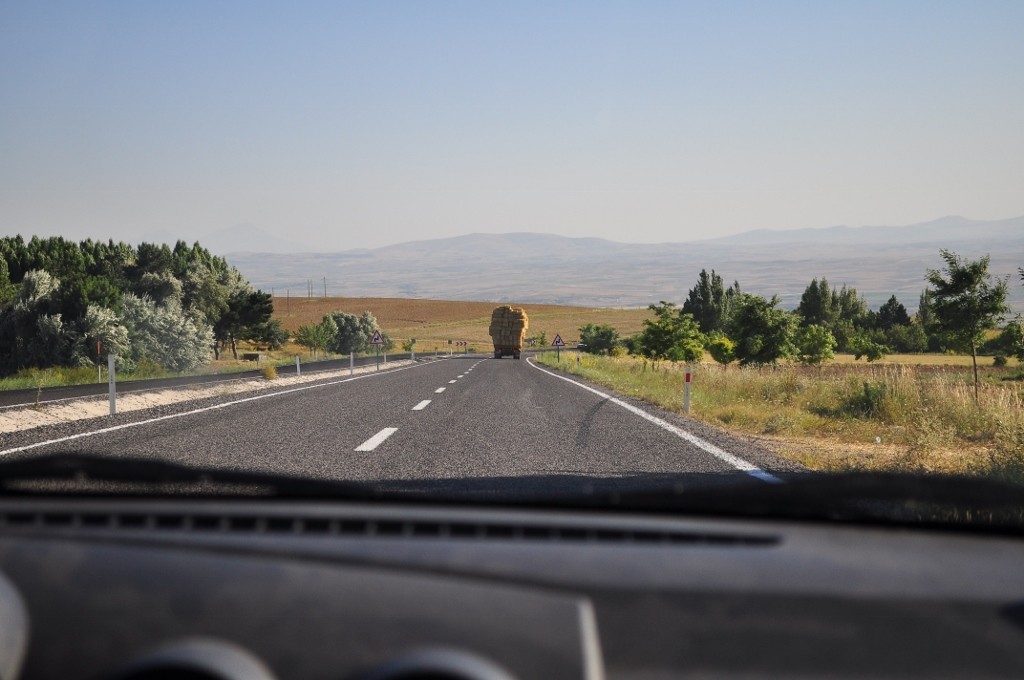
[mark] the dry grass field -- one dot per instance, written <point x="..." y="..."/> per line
<point x="847" y="417"/>
<point x="434" y="322"/>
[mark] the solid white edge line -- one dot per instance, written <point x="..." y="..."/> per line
<point x="422" y="405"/>
<point x="377" y="439"/>
<point x="115" y="428"/>
<point x="725" y="456"/>
<point x="439" y="390"/>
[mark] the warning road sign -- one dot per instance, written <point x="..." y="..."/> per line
<point x="376" y="339"/>
<point x="558" y="342"/>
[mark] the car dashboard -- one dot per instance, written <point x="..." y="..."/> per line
<point x="214" y="588"/>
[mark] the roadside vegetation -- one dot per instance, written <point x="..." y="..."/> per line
<point x="843" y="417"/>
<point x="66" y="305"/>
<point x="832" y="384"/>
<point x="773" y="374"/>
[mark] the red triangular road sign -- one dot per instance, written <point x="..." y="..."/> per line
<point x="558" y="342"/>
<point x="376" y="339"/>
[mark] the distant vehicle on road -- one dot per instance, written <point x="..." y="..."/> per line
<point x="508" y="330"/>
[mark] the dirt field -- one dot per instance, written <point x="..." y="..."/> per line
<point x="434" y="322"/>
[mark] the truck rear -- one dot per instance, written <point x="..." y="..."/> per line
<point x="508" y="331"/>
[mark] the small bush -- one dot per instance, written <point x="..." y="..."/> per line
<point x="999" y="361"/>
<point x="269" y="371"/>
<point x="864" y="404"/>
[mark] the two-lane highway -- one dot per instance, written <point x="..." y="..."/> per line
<point x="460" y="424"/>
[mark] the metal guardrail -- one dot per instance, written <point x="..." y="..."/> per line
<point x="31" y="396"/>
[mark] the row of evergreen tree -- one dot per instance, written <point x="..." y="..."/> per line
<point x="171" y="306"/>
<point x="959" y="305"/>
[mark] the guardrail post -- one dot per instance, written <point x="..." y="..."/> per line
<point x="111" y="381"/>
<point x="351" y="362"/>
<point x="686" y="391"/>
<point x="298" y="366"/>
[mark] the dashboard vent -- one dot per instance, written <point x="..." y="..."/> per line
<point x="371" y="527"/>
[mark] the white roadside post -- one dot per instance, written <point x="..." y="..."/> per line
<point x="351" y="363"/>
<point x="686" y="391"/>
<point x="298" y="366"/>
<point x="111" y="381"/>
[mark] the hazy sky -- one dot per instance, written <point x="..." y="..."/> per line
<point x="360" y="124"/>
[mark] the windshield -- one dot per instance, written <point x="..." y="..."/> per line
<point x="673" y="255"/>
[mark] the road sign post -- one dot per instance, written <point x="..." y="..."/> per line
<point x="378" y="340"/>
<point x="558" y="344"/>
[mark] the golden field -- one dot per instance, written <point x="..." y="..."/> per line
<point x="434" y="322"/>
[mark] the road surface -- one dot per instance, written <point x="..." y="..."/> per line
<point x="463" y="424"/>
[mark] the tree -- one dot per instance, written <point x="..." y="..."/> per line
<point x="936" y="338"/>
<point x="815" y="345"/>
<point x="967" y="302"/>
<point x="598" y="339"/>
<point x="101" y="325"/>
<point x="164" y="333"/>
<point x="316" y="337"/>
<point x="673" y="335"/>
<point x="272" y="334"/>
<point x="863" y="346"/>
<point x="354" y="332"/>
<point x="909" y="338"/>
<point x="708" y="301"/>
<point x="1011" y="340"/>
<point x="891" y="314"/>
<point x="247" y="311"/>
<point x="721" y="349"/>
<point x="763" y="333"/>
<point x="817" y="305"/>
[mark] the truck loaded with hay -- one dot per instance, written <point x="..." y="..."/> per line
<point x="508" y="329"/>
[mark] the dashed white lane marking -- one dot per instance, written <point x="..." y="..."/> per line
<point x="377" y="439"/>
<point x="724" y="456"/>
<point x="461" y="376"/>
<point x="452" y="381"/>
<point x="422" y="405"/>
<point x="439" y="390"/>
<point x="115" y="428"/>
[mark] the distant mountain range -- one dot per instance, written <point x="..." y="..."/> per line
<point x="530" y="267"/>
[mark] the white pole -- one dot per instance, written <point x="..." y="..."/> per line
<point x="298" y="366"/>
<point x="112" y="381"/>
<point x="686" y="391"/>
<point x="351" y="362"/>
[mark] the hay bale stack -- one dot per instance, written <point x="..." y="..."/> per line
<point x="508" y="326"/>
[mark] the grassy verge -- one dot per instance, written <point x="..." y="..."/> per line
<point x="845" y="417"/>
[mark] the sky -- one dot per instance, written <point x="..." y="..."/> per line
<point x="339" y="125"/>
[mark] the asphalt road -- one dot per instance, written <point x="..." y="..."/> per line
<point x="465" y="424"/>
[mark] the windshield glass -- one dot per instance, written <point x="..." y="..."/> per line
<point x="670" y="254"/>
